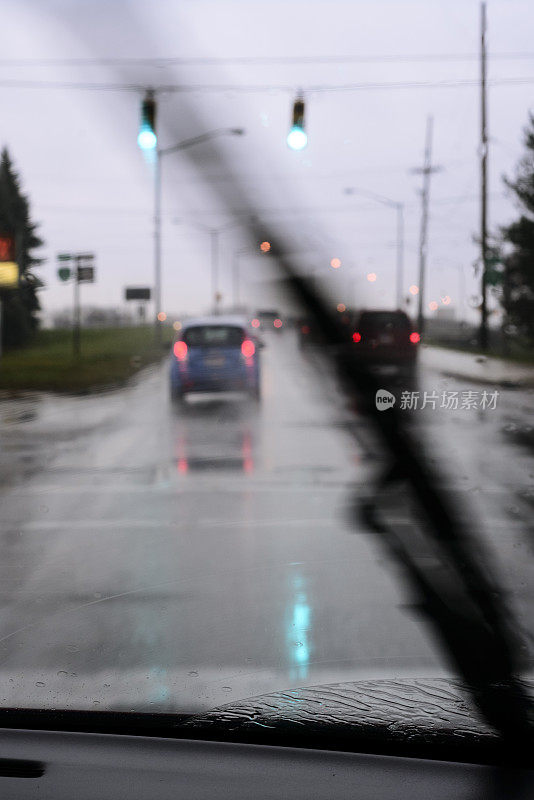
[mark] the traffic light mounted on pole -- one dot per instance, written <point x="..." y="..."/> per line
<point x="147" y="138"/>
<point x="9" y="270"/>
<point x="297" y="138"/>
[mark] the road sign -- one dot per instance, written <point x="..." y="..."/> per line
<point x="64" y="273"/>
<point x="9" y="275"/>
<point x="64" y="257"/>
<point x="86" y="274"/>
<point x="137" y="293"/>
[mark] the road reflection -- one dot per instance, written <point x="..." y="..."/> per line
<point x="216" y="433"/>
<point x="298" y="628"/>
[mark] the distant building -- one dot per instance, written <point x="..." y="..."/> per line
<point x="446" y="312"/>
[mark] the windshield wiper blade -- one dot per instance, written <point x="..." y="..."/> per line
<point x="462" y="599"/>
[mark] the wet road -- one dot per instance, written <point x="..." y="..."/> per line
<point x="157" y="558"/>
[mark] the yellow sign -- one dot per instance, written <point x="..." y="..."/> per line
<point x="9" y="275"/>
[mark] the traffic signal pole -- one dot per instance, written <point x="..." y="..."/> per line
<point x="157" y="246"/>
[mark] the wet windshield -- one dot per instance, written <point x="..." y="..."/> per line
<point x="188" y="491"/>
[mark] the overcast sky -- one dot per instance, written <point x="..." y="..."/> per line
<point x="91" y="188"/>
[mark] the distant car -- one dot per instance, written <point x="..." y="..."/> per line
<point x="270" y="320"/>
<point x="215" y="354"/>
<point x="386" y="339"/>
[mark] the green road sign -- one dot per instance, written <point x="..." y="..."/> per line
<point x="64" y="257"/>
<point x="63" y="273"/>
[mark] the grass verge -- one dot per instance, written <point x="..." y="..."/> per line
<point x="109" y="356"/>
<point x="521" y="354"/>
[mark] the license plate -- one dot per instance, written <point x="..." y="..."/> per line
<point x="214" y="362"/>
<point x="386" y="339"/>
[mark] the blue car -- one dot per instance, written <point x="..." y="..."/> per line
<point x="215" y="354"/>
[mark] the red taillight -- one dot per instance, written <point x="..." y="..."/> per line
<point x="415" y="337"/>
<point x="255" y="323"/>
<point x="277" y="323"/>
<point x="180" y="350"/>
<point x="356" y="337"/>
<point x="247" y="348"/>
<point x="305" y="329"/>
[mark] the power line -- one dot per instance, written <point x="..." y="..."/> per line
<point x="260" y="60"/>
<point x="258" y="88"/>
<point x="268" y="211"/>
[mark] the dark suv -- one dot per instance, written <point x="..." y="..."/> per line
<point x="386" y="339"/>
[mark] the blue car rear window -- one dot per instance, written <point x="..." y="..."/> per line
<point x="214" y="336"/>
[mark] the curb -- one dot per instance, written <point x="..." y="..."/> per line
<point x="503" y="383"/>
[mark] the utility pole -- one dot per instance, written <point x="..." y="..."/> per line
<point x="400" y="255"/>
<point x="236" y="275"/>
<point x="426" y="171"/>
<point x="483" y="336"/>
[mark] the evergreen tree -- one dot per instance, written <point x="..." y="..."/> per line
<point x="517" y="295"/>
<point x="19" y="306"/>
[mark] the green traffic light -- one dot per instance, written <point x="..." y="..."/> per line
<point x="147" y="139"/>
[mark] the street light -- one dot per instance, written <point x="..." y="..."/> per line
<point x="160" y="152"/>
<point x="399" y="208"/>
<point x="236" y="275"/>
<point x="214" y="234"/>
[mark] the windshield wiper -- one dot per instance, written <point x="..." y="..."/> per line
<point x="459" y="595"/>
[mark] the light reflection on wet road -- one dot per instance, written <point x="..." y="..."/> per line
<point x="161" y="558"/>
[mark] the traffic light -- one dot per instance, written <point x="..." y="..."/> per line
<point x="7" y="248"/>
<point x="296" y="138"/>
<point x="147" y="138"/>
<point x="9" y="269"/>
